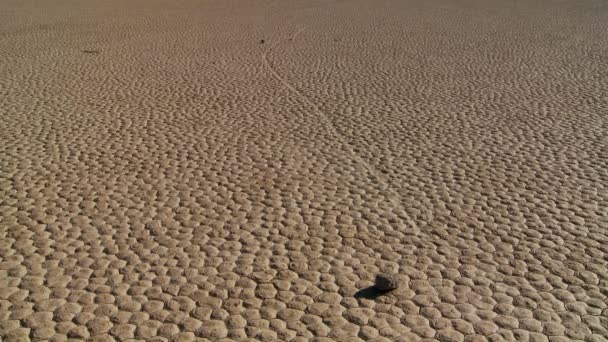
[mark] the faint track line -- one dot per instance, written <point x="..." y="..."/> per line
<point x="394" y="197"/>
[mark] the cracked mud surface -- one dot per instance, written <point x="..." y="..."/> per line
<point x="229" y="170"/>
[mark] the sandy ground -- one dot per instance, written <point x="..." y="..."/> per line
<point x="228" y="170"/>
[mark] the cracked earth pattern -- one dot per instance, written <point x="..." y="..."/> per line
<point x="237" y="170"/>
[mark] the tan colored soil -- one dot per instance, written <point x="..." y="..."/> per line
<point x="180" y="170"/>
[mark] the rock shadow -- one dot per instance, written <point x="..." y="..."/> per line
<point x="371" y="292"/>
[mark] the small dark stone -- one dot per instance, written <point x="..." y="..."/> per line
<point x="262" y="41"/>
<point x="91" y="51"/>
<point x="385" y="282"/>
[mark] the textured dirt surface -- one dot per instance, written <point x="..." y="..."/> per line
<point x="229" y="170"/>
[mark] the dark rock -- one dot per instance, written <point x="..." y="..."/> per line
<point x="385" y="282"/>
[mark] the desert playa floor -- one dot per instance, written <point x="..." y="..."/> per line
<point x="228" y="170"/>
